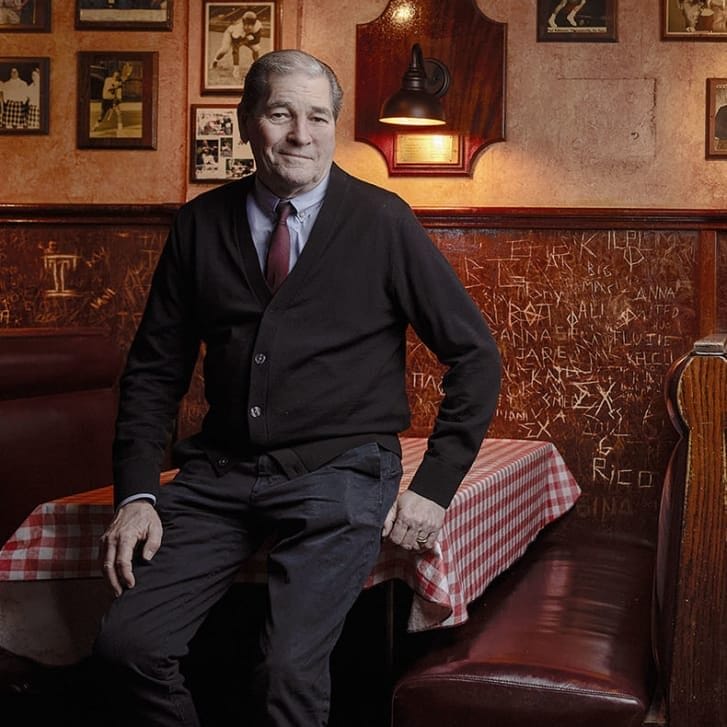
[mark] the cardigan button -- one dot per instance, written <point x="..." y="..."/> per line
<point x="255" y="411"/>
<point x="260" y="358"/>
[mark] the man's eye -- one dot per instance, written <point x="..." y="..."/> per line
<point x="279" y="116"/>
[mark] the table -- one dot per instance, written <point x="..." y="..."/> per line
<point x="513" y="489"/>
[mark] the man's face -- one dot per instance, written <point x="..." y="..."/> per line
<point x="292" y="134"/>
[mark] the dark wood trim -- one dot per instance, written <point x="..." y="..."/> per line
<point x="431" y="217"/>
<point x="572" y="218"/>
<point x="87" y="214"/>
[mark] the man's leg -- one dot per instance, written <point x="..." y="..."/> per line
<point x="148" y="628"/>
<point x="328" y="525"/>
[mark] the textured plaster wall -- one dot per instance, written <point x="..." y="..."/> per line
<point x="588" y="124"/>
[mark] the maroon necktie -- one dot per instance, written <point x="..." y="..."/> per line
<point x="276" y="268"/>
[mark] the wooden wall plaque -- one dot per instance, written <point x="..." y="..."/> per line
<point x="469" y="44"/>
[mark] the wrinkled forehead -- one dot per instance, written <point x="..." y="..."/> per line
<point x="310" y="89"/>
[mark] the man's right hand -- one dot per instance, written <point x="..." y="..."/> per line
<point x="136" y="523"/>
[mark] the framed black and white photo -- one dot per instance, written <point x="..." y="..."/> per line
<point x="124" y="14"/>
<point x="25" y="16"/>
<point x="234" y="35"/>
<point x="574" y="21"/>
<point x="24" y="95"/>
<point x="117" y="99"/>
<point x="216" y="152"/>
<point x="693" y="19"/>
<point x="716" y="118"/>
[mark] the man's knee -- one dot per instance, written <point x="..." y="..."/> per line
<point x="121" y="648"/>
<point x="289" y="678"/>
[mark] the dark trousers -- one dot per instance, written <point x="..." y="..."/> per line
<point x="326" y="529"/>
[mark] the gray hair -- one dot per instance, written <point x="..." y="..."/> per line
<point x="283" y="62"/>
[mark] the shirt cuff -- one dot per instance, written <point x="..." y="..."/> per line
<point x="140" y="496"/>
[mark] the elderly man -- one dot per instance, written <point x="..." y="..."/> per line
<point x="300" y="280"/>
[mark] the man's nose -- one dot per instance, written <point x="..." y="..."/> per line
<point x="300" y="132"/>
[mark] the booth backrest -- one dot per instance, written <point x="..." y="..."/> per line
<point x="690" y="597"/>
<point x="57" y="409"/>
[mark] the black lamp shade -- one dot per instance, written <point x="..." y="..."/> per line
<point x="413" y="104"/>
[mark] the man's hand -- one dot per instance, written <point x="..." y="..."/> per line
<point x="134" y="523"/>
<point x="414" y="521"/>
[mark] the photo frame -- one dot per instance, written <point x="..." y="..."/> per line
<point x="124" y="14"/>
<point x="716" y="118"/>
<point x="25" y="16"/>
<point x="117" y="99"/>
<point x="216" y="152"/>
<point x="24" y="95"/>
<point x="693" y="20"/>
<point x="234" y="35"/>
<point x="577" y="21"/>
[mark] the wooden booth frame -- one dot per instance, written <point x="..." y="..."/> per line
<point x="117" y="99"/>
<point x="26" y="117"/>
<point x="571" y="21"/>
<point x="98" y="15"/>
<point x="32" y="17"/>
<point x="224" y="62"/>
<point x="216" y="152"/>
<point x="716" y="118"/>
<point x="693" y="20"/>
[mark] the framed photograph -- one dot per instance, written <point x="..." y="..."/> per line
<point x="577" y="21"/>
<point x="24" y="95"/>
<point x="235" y="35"/>
<point x="124" y="14"/>
<point x="117" y="99"/>
<point x="717" y="118"/>
<point x="216" y="152"/>
<point x="693" y="19"/>
<point x="25" y="16"/>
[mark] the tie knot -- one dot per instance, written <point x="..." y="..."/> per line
<point x="284" y="210"/>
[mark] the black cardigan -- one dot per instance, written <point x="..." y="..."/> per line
<point x="318" y="367"/>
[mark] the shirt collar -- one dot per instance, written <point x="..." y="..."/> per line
<point x="267" y="201"/>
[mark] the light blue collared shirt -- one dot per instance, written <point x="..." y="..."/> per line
<point x="261" y="216"/>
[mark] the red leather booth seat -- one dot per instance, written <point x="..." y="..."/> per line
<point x="57" y="410"/>
<point x="561" y="640"/>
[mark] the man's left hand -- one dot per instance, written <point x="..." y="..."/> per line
<point x="413" y="522"/>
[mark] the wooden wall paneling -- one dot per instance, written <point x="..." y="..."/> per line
<point x="707" y="282"/>
<point x="721" y="287"/>
<point x="588" y="322"/>
<point x="590" y="307"/>
<point x="79" y="266"/>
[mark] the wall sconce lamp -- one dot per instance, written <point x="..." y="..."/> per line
<point x="417" y="102"/>
<point x="468" y="65"/>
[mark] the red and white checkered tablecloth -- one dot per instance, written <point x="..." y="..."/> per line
<point x="514" y="489"/>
